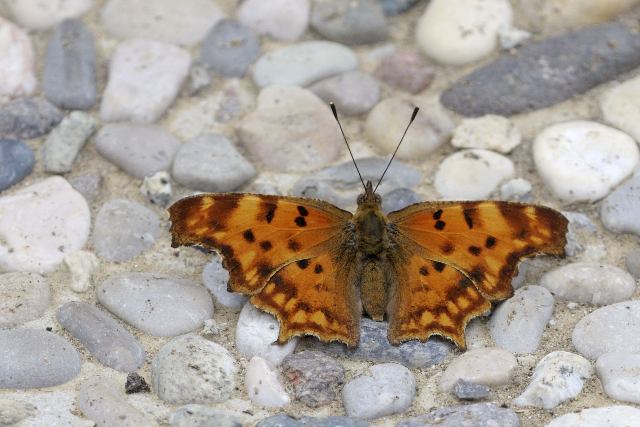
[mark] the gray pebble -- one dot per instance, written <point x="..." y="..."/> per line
<point x="353" y="92"/>
<point x="283" y="420"/>
<point x="632" y="262"/>
<point x="107" y="340"/>
<point x="23" y="297"/>
<point x="544" y="73"/>
<point x="374" y="346"/>
<point x="16" y="162"/>
<point x="406" y="71"/>
<point x="191" y="369"/>
<point x="63" y="143"/>
<point x="27" y="118"/>
<point x="136" y="384"/>
<point x="314" y="377"/>
<point x="123" y="229"/>
<point x="398" y="199"/>
<point x="229" y="48"/>
<point x="106" y="405"/>
<point x="88" y="185"/>
<point x="215" y="278"/>
<point x="138" y="149"/>
<point x="31" y="358"/>
<point x="396" y="7"/>
<point x="69" y="77"/>
<point x="465" y="390"/>
<point x="157" y="188"/>
<point x="205" y="416"/>
<point x="476" y="415"/>
<point x="211" y="163"/>
<point x="620" y="210"/>
<point x="353" y="22"/>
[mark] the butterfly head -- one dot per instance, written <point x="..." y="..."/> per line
<point x="369" y="197"/>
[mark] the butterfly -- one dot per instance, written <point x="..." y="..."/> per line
<point x="429" y="268"/>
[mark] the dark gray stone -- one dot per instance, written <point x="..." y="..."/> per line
<point x="27" y="118"/>
<point x="398" y="199"/>
<point x="69" y="77"/>
<point x="314" y="377"/>
<point x="476" y="415"/>
<point x="136" y="384"/>
<point x="466" y="390"/>
<point x="230" y="48"/>
<point x="350" y="22"/>
<point x="16" y="162"/>
<point x="283" y="420"/>
<point x="544" y="73"/>
<point x="620" y="210"/>
<point x="102" y="335"/>
<point x="396" y="7"/>
<point x="374" y="346"/>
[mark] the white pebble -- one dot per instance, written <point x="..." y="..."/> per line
<point x="488" y="366"/>
<point x="283" y="20"/>
<point x="263" y="386"/>
<point x="489" y="132"/>
<point x="41" y="15"/>
<point x="608" y="416"/>
<point x="620" y="376"/>
<point x="23" y="297"/>
<point x="568" y="14"/>
<point x="81" y="265"/>
<point x="620" y="107"/>
<point x="17" y="64"/>
<point x="515" y="189"/>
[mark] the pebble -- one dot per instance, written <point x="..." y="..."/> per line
<point x="62" y="145"/>
<point x="620" y="376"/>
<point x="33" y="358"/>
<point x="284" y="20"/>
<point x="257" y="334"/>
<point x="461" y="32"/>
<point x="27" y="118"/>
<point x="145" y="77"/>
<point x="191" y="369"/>
<point x="341" y="185"/>
<point x="608" y="329"/>
<point x="140" y="150"/>
<point x="102" y="401"/>
<point x="88" y="185"/>
<point x="607" y="416"/>
<point x="16" y="162"/>
<point x="14" y="411"/>
<point x="389" y="118"/>
<point x="211" y="163"/>
<point x="17" y="62"/>
<point x="489" y="366"/>
<point x="263" y="385"/>
<point x="558" y="377"/>
<point x="353" y="92"/>
<point x="136" y="384"/>
<point x="23" y="297"/>
<point x="215" y="278"/>
<point x="156" y="304"/>
<point x="544" y="73"/>
<point x="619" y="107"/>
<point x="291" y="130"/>
<point x="619" y="210"/>
<point x="41" y="223"/>
<point x="229" y="48"/>
<point x="399" y="199"/>
<point x="476" y="415"/>
<point x="583" y="160"/>
<point x="52" y="408"/>
<point x="374" y="346"/>
<point x="202" y="416"/>
<point x="517" y="324"/>
<point x="283" y="420"/>
<point x="355" y="22"/>
<point x="157" y="188"/>
<point x="465" y="390"/>
<point x="303" y="63"/>
<point x="472" y="174"/>
<point x="396" y="7"/>
<point x="405" y="71"/>
<point x="123" y="229"/>
<point x="199" y="79"/>
<point x="314" y="377"/>
<point x="632" y="262"/>
<point x="590" y="283"/>
<point x="488" y="132"/>
<point x="567" y="14"/>
<point x="38" y="15"/>
<point x="516" y="189"/>
<point x="183" y="23"/>
<point x="580" y="229"/>
<point x="105" y="338"/>
<point x="69" y="76"/>
<point x="387" y="389"/>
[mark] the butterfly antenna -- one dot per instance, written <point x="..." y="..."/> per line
<point x="335" y="114"/>
<point x="413" y="117"/>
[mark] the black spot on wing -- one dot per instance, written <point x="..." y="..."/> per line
<point x="267" y="211"/>
<point x="303" y="211"/>
<point x="475" y="250"/>
<point x="293" y="245"/>
<point x="437" y="214"/>
<point x="490" y="242"/>
<point x="303" y="263"/>
<point x="318" y="269"/>
<point x="468" y="217"/>
<point x="424" y="271"/>
<point x="440" y="225"/>
<point x="438" y="266"/>
<point x="447" y="248"/>
<point x="266" y="245"/>
<point x="248" y="236"/>
<point x="300" y="221"/>
<point x="464" y="282"/>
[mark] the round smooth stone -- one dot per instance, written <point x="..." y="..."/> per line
<point x="104" y="402"/>
<point x="472" y="174"/>
<point x="31" y="358"/>
<point x="517" y="324"/>
<point x="184" y="23"/>
<point x="16" y="162"/>
<point x="457" y="32"/>
<point x="388" y="389"/>
<point x="63" y="143"/>
<point x="354" y="22"/>
<point x="567" y="14"/>
<point x="191" y="369"/>
<point x="488" y="132"/>
<point x="608" y="329"/>
<point x="37" y="15"/>
<point x="582" y="160"/>
<point x="23" y="297"/>
<point x="487" y="366"/>
<point x="353" y="92"/>
<point x="303" y="63"/>
<point x="390" y="117"/>
<point x="406" y="71"/>
<point x="17" y="64"/>
<point x="620" y="109"/>
<point x="314" y="377"/>
<point x="215" y="278"/>
<point x="263" y="385"/>
<point x="40" y="224"/>
<point x="284" y="20"/>
<point x="123" y="230"/>
<point x="608" y="416"/>
<point x="229" y="48"/>
<point x="589" y="283"/>
<point x="156" y="304"/>
<point x="27" y="118"/>
<point x="619" y="211"/>
<point x="558" y="377"/>
<point x="632" y="262"/>
<point x="620" y="375"/>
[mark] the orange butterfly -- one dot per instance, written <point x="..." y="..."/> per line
<point x="430" y="267"/>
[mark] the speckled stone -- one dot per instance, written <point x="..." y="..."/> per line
<point x="63" y="143"/>
<point x="104" y="403"/>
<point x="283" y="420"/>
<point x="204" y="415"/>
<point x="476" y="415"/>
<point x="314" y="377"/>
<point x="405" y="71"/>
<point x="229" y="48"/>
<point x="465" y="390"/>
<point x="23" y="297"/>
<point x="27" y="118"/>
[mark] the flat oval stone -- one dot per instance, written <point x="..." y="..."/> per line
<point x="477" y="414"/>
<point x="354" y="22"/>
<point x="544" y="73"/>
<point x="608" y="416"/>
<point x="23" y="297"/>
<point x="103" y="401"/>
<point x="619" y="210"/>
<point x="229" y="48"/>
<point x="17" y="65"/>
<point x="27" y="118"/>
<point x="16" y="162"/>
<point x="620" y="375"/>
<point x="107" y="340"/>
<point x="619" y="108"/>
<point x="353" y="92"/>
<point x="156" y="304"/>
<point x="314" y="377"/>
<point x="283" y="20"/>
<point x="406" y="71"/>
<point x="31" y="358"/>
<point x="488" y="366"/>
<point x="204" y="415"/>
<point x="489" y="132"/>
